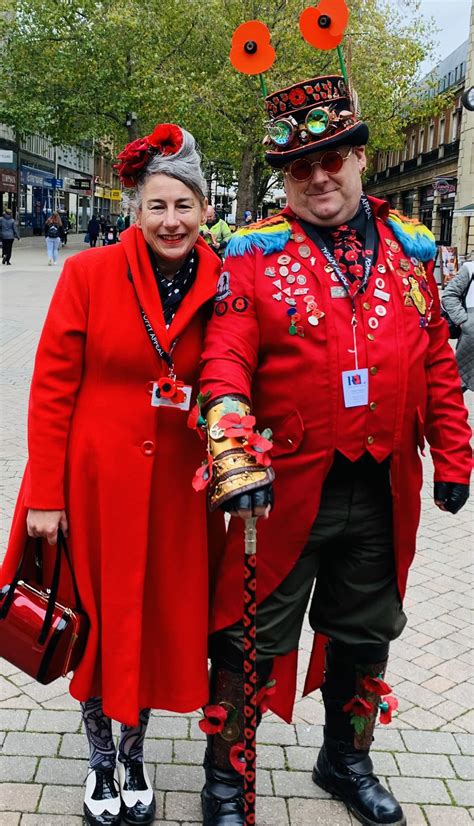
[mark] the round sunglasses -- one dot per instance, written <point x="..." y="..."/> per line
<point x="330" y="162"/>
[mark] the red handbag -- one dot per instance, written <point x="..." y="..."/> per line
<point x="39" y="635"/>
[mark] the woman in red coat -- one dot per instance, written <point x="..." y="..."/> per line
<point x="111" y="464"/>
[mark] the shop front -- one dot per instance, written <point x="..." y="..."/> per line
<point x="36" y="198"/>
<point x="426" y="206"/>
<point x="8" y="188"/>
<point x="76" y="198"/>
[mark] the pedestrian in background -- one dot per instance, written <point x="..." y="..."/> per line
<point x="8" y="233"/>
<point x="458" y="301"/>
<point x="118" y="477"/>
<point x="66" y="226"/>
<point x="93" y="229"/>
<point x="120" y="224"/>
<point x="54" y="233"/>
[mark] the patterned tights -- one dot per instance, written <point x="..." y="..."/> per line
<point x="101" y="742"/>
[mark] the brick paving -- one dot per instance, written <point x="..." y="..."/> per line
<point x="425" y="755"/>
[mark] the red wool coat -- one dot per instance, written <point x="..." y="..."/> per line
<point x="123" y="469"/>
<point x="295" y="388"/>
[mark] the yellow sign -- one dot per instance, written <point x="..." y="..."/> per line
<point x="99" y="192"/>
<point x="116" y="195"/>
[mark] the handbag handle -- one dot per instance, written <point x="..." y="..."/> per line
<point x="61" y="547"/>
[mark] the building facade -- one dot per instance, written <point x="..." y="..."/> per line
<point x="421" y="179"/>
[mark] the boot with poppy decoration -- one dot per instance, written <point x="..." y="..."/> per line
<point x="223" y="794"/>
<point x="354" y="692"/>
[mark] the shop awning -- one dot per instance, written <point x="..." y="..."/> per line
<point x="464" y="212"/>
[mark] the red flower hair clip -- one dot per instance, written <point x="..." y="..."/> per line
<point x="166" y="139"/>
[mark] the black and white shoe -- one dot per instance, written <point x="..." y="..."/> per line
<point x="102" y="805"/>
<point x="138" y="799"/>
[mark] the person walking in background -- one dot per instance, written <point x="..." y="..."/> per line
<point x="8" y="233"/>
<point x="54" y="233"/>
<point x="66" y="226"/>
<point x="120" y="224"/>
<point x="93" y="229"/>
<point x="458" y="301"/>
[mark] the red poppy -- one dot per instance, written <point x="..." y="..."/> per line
<point x="203" y="475"/>
<point x="351" y="255"/>
<point x="359" y="707"/>
<point x="237" y="758"/>
<point x="236" y="426"/>
<point x="258" y="447"/>
<point x="252" y="52"/>
<point x="166" y="139"/>
<point x="214" y="719"/>
<point x="386" y="707"/>
<point x="374" y="685"/>
<point x="323" y="26"/>
<point x="357" y="270"/>
<point x="297" y="97"/>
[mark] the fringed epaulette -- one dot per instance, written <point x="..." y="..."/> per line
<point x="270" y="235"/>
<point x="416" y="239"/>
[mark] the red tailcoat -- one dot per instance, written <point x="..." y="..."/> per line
<point x="295" y="387"/>
<point x="123" y="469"/>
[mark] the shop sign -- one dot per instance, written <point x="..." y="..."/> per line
<point x="442" y="186"/>
<point x="81" y="183"/>
<point x="106" y="192"/>
<point x="36" y="177"/>
<point x="6" y="155"/>
<point x="99" y="192"/>
<point x="115" y="194"/>
<point x="7" y="180"/>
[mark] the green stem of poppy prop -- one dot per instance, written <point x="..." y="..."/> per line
<point x="341" y="62"/>
<point x="263" y="86"/>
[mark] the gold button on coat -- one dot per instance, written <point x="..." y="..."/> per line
<point x="373" y="371"/>
<point x="373" y="405"/>
<point x="366" y="305"/>
<point x="371" y="336"/>
<point x="370" y="440"/>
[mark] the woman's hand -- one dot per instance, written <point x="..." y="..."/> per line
<point x="45" y="524"/>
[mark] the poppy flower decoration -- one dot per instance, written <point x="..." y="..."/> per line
<point x="386" y="706"/>
<point x="203" y="475"/>
<point x="235" y="426"/>
<point x="237" y="758"/>
<point x="252" y="52"/>
<point x="360" y="710"/>
<point x="214" y="719"/>
<point x="375" y="685"/>
<point x="170" y="388"/>
<point x="166" y="139"/>
<point x="323" y="26"/>
<point x="258" y="447"/>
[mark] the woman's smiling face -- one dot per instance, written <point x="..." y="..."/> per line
<point x="170" y="216"/>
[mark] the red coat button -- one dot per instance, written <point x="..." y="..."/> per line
<point x="148" y="448"/>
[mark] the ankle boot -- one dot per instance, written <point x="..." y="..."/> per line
<point x="352" y="692"/>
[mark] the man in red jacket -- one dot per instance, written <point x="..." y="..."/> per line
<point x="328" y="331"/>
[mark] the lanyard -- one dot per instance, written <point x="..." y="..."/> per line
<point x="163" y="354"/>
<point x="368" y="259"/>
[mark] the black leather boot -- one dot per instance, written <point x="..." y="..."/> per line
<point x="344" y="768"/>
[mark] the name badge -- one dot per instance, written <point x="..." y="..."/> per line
<point x="338" y="292"/>
<point x="160" y="401"/>
<point x="355" y="384"/>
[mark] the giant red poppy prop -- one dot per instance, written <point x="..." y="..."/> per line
<point x="252" y="52"/>
<point x="166" y="139"/>
<point x="323" y="26"/>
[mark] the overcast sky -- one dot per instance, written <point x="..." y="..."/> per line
<point x="452" y="19"/>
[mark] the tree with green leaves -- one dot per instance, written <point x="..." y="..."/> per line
<point x="73" y="69"/>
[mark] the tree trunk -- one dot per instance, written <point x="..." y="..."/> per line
<point x="245" y="191"/>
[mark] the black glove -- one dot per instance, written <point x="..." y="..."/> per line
<point x="259" y="498"/>
<point x="453" y="495"/>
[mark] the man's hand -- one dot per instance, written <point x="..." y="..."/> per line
<point x="450" y="496"/>
<point x="255" y="503"/>
<point x="45" y="524"/>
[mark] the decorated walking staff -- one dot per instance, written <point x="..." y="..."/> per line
<point x="250" y="668"/>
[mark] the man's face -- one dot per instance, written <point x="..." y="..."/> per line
<point x="327" y="199"/>
<point x="211" y="215"/>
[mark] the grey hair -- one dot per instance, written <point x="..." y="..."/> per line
<point x="185" y="166"/>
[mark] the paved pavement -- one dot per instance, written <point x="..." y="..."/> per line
<point x="425" y="755"/>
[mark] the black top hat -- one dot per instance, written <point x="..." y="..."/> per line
<point x="309" y="116"/>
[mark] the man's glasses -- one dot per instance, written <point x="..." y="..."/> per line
<point x="330" y="162"/>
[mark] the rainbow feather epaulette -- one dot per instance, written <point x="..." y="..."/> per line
<point x="270" y="235"/>
<point x="416" y="239"/>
